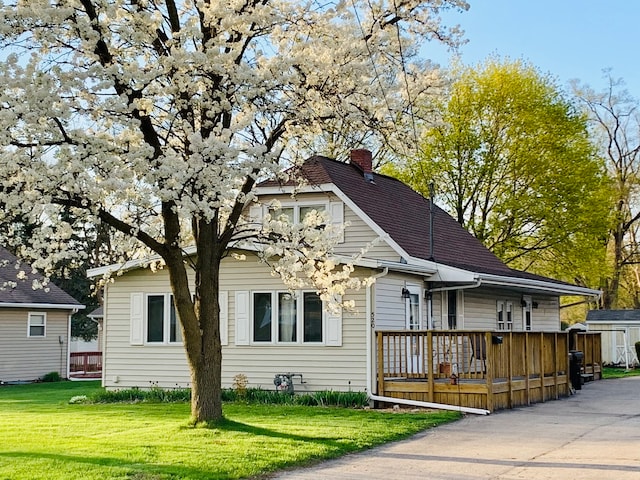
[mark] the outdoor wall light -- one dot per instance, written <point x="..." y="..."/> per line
<point x="405" y="293"/>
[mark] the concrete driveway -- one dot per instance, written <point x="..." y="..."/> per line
<point x="594" y="434"/>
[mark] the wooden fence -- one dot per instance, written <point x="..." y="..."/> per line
<point x="479" y="369"/>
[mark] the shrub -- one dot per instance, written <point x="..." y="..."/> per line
<point x="79" y="399"/>
<point x="637" y="345"/>
<point x="51" y="377"/>
<point x="154" y="394"/>
<point x="240" y="382"/>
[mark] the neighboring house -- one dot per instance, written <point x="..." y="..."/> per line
<point x="620" y="330"/>
<point x="35" y="323"/>
<point x="447" y="280"/>
<point x="80" y="345"/>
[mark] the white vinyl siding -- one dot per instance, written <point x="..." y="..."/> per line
<point x="359" y="235"/>
<point x="356" y="236"/>
<point x="324" y="367"/>
<point x="390" y="307"/>
<point x="24" y="357"/>
<point x="480" y="310"/>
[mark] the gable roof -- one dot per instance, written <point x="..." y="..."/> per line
<point x="404" y="215"/>
<point x="613" y="316"/>
<point x="23" y="294"/>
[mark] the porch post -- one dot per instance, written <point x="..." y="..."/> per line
<point x="510" y="368"/>
<point x="555" y="364"/>
<point x="430" y="366"/>
<point x="527" y="350"/>
<point x="542" y="393"/>
<point x="380" y="369"/>
<point x="489" y="368"/>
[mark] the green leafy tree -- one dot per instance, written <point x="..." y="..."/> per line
<point x="512" y="162"/>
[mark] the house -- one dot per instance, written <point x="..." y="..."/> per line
<point x="35" y="324"/>
<point x="620" y="330"/>
<point x="431" y="276"/>
<point x="80" y="345"/>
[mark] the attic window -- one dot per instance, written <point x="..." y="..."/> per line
<point x="296" y="214"/>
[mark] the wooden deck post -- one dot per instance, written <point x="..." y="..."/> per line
<point x="542" y="387"/>
<point x="510" y="370"/>
<point x="527" y="349"/>
<point x="555" y="365"/>
<point x="379" y="338"/>
<point x="489" y="370"/>
<point x="430" y="366"/>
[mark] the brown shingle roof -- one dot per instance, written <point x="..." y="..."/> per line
<point x="404" y="215"/>
<point x="23" y="292"/>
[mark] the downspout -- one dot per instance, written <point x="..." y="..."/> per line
<point x="413" y="403"/>
<point x="75" y="310"/>
<point x="430" y="291"/>
<point x="369" y="325"/>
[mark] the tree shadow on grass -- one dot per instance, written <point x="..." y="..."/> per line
<point x="140" y="470"/>
<point x="233" y="426"/>
<point x="129" y="469"/>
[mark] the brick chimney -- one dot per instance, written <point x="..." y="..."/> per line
<point x="363" y="159"/>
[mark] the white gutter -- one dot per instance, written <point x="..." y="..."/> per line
<point x="48" y="306"/>
<point x="369" y="326"/>
<point x="75" y="310"/>
<point x="550" y="287"/>
<point x="413" y="403"/>
<point x="477" y="283"/>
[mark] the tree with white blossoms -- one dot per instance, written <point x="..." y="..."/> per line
<point x="158" y="118"/>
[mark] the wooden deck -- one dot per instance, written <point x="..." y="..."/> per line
<point x="85" y="365"/>
<point x="487" y="370"/>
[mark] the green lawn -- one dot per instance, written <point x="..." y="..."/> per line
<point x="43" y="436"/>
<point x="615" y="372"/>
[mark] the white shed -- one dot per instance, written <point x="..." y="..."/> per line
<point x="620" y="331"/>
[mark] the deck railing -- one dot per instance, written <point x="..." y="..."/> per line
<point x="85" y="362"/>
<point x="479" y="369"/>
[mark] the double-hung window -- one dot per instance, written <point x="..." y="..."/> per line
<point x="505" y="315"/>
<point x="526" y="312"/>
<point x="37" y="323"/>
<point x="286" y="317"/>
<point x="162" y="323"/>
<point x="296" y="213"/>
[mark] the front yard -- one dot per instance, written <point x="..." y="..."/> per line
<point x="43" y="436"/>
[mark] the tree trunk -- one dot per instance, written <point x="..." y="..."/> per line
<point x="200" y="323"/>
<point x="206" y="377"/>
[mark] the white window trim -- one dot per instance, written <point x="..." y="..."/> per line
<point x="44" y="324"/>
<point x="527" y="307"/>
<point x="166" y="326"/>
<point x="459" y="309"/>
<point x="274" y="320"/>
<point x="506" y="307"/>
<point x="297" y="205"/>
<point x="414" y="290"/>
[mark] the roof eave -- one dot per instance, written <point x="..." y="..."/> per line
<point x="48" y="306"/>
<point x="539" y="285"/>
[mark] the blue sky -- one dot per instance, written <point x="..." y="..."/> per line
<point x="567" y="38"/>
